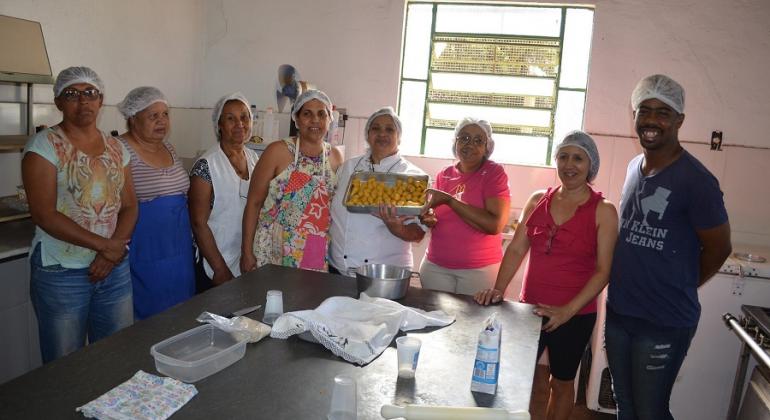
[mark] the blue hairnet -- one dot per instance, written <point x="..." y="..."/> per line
<point x="74" y="75"/>
<point x="586" y="143"/>
<point x="140" y="98"/>
<point x="236" y="96"/>
<point x="307" y="96"/>
<point x="484" y="125"/>
<point x="660" y="87"/>
<point x="383" y="111"/>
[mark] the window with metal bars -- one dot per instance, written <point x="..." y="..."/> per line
<point x="523" y="68"/>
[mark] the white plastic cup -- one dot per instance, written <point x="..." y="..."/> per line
<point x="408" y="352"/>
<point x="344" y="399"/>
<point x="273" y="306"/>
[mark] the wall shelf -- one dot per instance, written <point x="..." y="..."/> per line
<point x="13" y="143"/>
<point x="13" y="208"/>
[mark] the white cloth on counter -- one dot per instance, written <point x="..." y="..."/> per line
<point x="144" y="396"/>
<point x="357" y="330"/>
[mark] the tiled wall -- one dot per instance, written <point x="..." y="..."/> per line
<point x="229" y="45"/>
<point x="740" y="170"/>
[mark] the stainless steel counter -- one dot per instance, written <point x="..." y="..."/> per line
<point x="292" y="379"/>
<point x="15" y="237"/>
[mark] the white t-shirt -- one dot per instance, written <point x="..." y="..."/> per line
<point x="358" y="238"/>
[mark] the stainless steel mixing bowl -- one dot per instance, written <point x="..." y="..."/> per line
<point x="383" y="280"/>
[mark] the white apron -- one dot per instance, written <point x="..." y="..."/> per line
<point x="226" y="218"/>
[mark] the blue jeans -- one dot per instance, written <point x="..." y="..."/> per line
<point x="70" y="308"/>
<point x="644" y="360"/>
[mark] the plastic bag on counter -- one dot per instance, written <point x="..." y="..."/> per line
<point x="241" y="325"/>
<point x="357" y="330"/>
<point x="486" y="367"/>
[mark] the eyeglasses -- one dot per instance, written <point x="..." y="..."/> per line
<point x="72" y="95"/>
<point x="551" y="234"/>
<point x="476" y="141"/>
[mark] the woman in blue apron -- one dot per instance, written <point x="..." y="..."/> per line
<point x="161" y="258"/>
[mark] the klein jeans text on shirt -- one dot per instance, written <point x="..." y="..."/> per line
<point x="644" y="360"/>
<point x="70" y="308"/>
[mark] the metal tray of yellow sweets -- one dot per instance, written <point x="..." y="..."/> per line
<point x="366" y="190"/>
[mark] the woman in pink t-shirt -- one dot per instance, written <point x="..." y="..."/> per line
<point x="569" y="232"/>
<point x="471" y="201"/>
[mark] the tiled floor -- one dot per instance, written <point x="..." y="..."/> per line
<point x="540" y="399"/>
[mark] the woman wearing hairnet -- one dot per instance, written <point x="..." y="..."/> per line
<point x="286" y="220"/>
<point x="81" y="198"/>
<point x="471" y="201"/>
<point x="569" y="232"/>
<point x="352" y="234"/>
<point x="162" y="268"/>
<point x="219" y="182"/>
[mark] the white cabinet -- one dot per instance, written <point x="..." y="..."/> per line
<point x="702" y="389"/>
<point x="19" y="345"/>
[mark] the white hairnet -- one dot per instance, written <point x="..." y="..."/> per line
<point x="660" y="87"/>
<point x="236" y="96"/>
<point x="140" y="98"/>
<point x="307" y="96"/>
<point x="74" y="75"/>
<point x="586" y="143"/>
<point x="383" y="111"/>
<point x="484" y="125"/>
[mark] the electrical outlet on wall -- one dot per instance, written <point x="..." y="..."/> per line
<point x="716" y="140"/>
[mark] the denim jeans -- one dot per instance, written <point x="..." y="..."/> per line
<point x="71" y="309"/>
<point x="644" y="360"/>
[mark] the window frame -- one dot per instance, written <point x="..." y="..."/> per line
<point x="548" y="158"/>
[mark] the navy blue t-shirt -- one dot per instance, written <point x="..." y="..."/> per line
<point x="656" y="265"/>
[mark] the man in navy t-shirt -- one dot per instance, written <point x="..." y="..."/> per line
<point x="674" y="235"/>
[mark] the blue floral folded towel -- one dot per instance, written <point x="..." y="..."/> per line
<point x="144" y="396"/>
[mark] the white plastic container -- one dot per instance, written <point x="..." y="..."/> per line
<point x="256" y="129"/>
<point x="269" y="126"/>
<point x="197" y="353"/>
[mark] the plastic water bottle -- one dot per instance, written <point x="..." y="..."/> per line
<point x="254" y="125"/>
<point x="276" y="124"/>
<point x="332" y="135"/>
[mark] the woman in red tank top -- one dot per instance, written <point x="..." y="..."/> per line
<point x="569" y="232"/>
